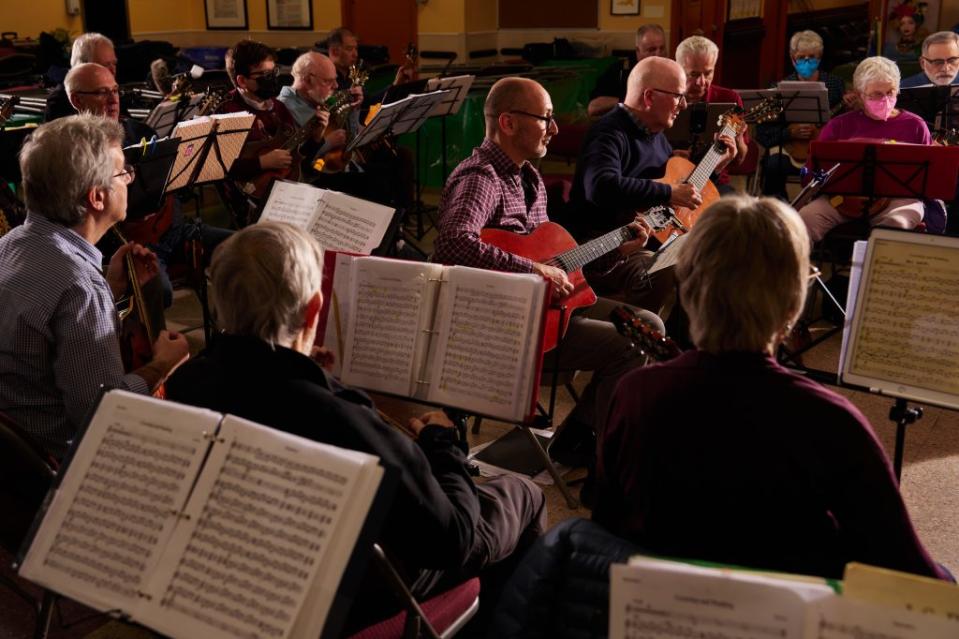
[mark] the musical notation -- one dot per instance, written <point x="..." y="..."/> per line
<point x="487" y="339"/>
<point x="649" y="622"/>
<point x="908" y="333"/>
<point x="339" y="228"/>
<point x="264" y="527"/>
<point x="384" y="335"/>
<point x="114" y="523"/>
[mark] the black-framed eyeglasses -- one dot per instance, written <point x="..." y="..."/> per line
<point x="680" y="97"/>
<point x="102" y="94"/>
<point x="548" y="119"/>
<point x="941" y="62"/>
<point x="129" y="172"/>
<point x="256" y="75"/>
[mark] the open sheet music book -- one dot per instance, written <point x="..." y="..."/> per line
<point x="450" y="335"/>
<point x="653" y="598"/>
<point x="901" y="336"/>
<point x="200" y="525"/>
<point x="338" y="221"/>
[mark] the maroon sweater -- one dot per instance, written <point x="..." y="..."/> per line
<point x="268" y="123"/>
<point x="734" y="459"/>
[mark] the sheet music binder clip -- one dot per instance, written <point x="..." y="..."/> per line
<point x="211" y="437"/>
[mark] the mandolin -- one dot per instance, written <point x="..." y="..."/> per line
<point x="643" y="336"/>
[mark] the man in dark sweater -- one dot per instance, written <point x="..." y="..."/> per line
<point x="616" y="177"/>
<point x="440" y="528"/>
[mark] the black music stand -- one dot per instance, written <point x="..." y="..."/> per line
<point x="166" y="115"/>
<point x="937" y="105"/>
<point x="695" y="124"/>
<point x="153" y="160"/>
<point x="457" y="86"/>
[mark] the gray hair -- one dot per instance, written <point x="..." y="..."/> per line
<point x="646" y="28"/>
<point x="85" y="47"/>
<point x="875" y="69"/>
<point x="940" y="37"/>
<point x="263" y="278"/>
<point x="337" y="36"/>
<point x="743" y="273"/>
<point x="62" y="160"/>
<point x="805" y="41"/>
<point x="696" y="45"/>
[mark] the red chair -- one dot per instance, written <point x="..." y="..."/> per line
<point x="439" y="617"/>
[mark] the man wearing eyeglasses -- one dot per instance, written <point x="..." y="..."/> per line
<point x="623" y="155"/>
<point x="939" y="61"/>
<point x="88" y="47"/>
<point x="498" y="187"/>
<point x="92" y="88"/>
<point x="59" y="328"/>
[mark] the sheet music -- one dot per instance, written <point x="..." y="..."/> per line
<point x="264" y="518"/>
<point x="346" y="223"/>
<point x="487" y="342"/>
<point x="908" y="332"/>
<point x="652" y="599"/>
<point x="293" y="203"/>
<point x="101" y="536"/>
<point x="844" y="618"/>
<point x="390" y="303"/>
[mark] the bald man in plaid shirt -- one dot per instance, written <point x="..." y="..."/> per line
<point x="497" y="187"/>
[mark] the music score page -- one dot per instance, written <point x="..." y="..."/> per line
<point x="905" y="334"/>
<point x="117" y="507"/>
<point x="269" y="510"/>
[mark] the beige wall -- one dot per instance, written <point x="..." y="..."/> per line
<point x="42" y="15"/>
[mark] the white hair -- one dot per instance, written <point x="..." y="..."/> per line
<point x="85" y="47"/>
<point x="303" y="65"/>
<point x="263" y="278"/>
<point x="805" y="41"/>
<point x="696" y="45"/>
<point x="62" y="160"/>
<point x="72" y="82"/>
<point x="875" y="69"/>
<point x="940" y="37"/>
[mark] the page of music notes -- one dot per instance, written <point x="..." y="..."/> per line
<point x="485" y="356"/>
<point x="391" y="308"/>
<point x="902" y="590"/>
<point x="347" y="223"/>
<point x="654" y="599"/>
<point x="270" y="528"/>
<point x="292" y="202"/>
<point x="118" y="503"/>
<point x="905" y="333"/>
<point x="845" y="618"/>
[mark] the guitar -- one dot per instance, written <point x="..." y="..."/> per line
<point x="643" y="336"/>
<point x="290" y="140"/>
<point x="667" y="221"/>
<point x="552" y="245"/>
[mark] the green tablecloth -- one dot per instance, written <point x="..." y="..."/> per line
<point x="569" y="83"/>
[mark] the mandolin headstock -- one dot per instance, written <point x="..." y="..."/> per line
<point x="643" y="336"/>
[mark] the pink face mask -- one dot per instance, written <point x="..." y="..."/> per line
<point x="881" y="108"/>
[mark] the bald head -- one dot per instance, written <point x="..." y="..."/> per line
<point x="511" y="94"/>
<point x="92" y="88"/>
<point x="652" y="73"/>
<point x="314" y="77"/>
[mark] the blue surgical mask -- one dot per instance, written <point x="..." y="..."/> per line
<point x="806" y="67"/>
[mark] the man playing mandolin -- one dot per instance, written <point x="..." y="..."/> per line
<point x="617" y="178"/>
<point x="497" y="187"/>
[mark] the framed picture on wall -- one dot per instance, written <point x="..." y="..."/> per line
<point x="226" y="14"/>
<point x="289" y="14"/>
<point x="624" y="7"/>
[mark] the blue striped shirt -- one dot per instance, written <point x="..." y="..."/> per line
<point x="58" y="331"/>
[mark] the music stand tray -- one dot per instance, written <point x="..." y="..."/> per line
<point x="396" y="118"/>
<point x="680" y="134"/>
<point x="875" y="169"/>
<point x="937" y="105"/>
<point x="802" y="102"/>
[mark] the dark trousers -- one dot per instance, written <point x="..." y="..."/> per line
<point x="776" y="169"/>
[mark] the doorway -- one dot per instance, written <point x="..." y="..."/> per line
<point x="391" y="24"/>
<point x="108" y="17"/>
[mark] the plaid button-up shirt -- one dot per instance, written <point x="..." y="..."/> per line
<point x="486" y="191"/>
<point x="58" y="331"/>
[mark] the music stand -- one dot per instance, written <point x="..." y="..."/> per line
<point x="208" y="146"/>
<point x="153" y="160"/>
<point x="166" y="115"/>
<point x="698" y="122"/>
<point x="802" y="102"/>
<point x="937" y="105"/>
<point x="396" y="118"/>
<point x="458" y="86"/>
